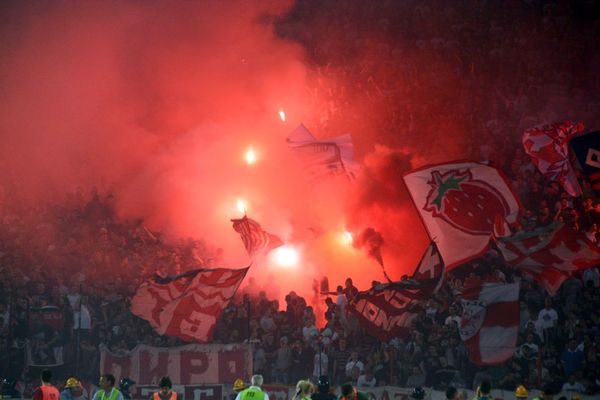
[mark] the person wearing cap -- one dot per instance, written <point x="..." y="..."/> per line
<point x="239" y="385"/>
<point x="323" y="390"/>
<point x="521" y="392"/>
<point x="349" y="392"/>
<point x="254" y="392"/>
<point x="71" y="386"/>
<point x="46" y="391"/>
<point x="165" y="390"/>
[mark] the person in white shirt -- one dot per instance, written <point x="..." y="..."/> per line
<point x="573" y="386"/>
<point x="548" y="316"/>
<point x="366" y="380"/>
<point x="320" y="364"/>
<point x="354" y="362"/>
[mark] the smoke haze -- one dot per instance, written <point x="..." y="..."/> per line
<point x="157" y="102"/>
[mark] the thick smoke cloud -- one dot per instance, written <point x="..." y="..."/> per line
<point x="158" y="101"/>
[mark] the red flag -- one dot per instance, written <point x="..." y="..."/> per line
<point x="254" y="237"/>
<point x="548" y="147"/>
<point x="459" y="204"/>
<point x="490" y="322"/>
<point x="387" y="310"/>
<point x="549" y="254"/>
<point x="187" y="306"/>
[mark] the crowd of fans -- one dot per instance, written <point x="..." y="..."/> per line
<point x="501" y="71"/>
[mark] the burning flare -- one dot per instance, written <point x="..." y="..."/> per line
<point x="250" y="156"/>
<point x="286" y="256"/>
<point x="282" y="115"/>
<point x="241" y="206"/>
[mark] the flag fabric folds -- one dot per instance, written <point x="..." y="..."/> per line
<point x="323" y="158"/>
<point x="548" y="148"/>
<point x="549" y="254"/>
<point x="460" y="205"/>
<point x="187" y="305"/>
<point x="254" y="237"/>
<point x="587" y="150"/>
<point x="489" y="325"/>
<point x="387" y="310"/>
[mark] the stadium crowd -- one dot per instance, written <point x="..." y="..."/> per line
<point x="42" y="249"/>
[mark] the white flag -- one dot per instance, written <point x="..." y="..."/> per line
<point x="324" y="158"/>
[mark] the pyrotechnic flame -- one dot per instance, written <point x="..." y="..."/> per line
<point x="282" y="115"/>
<point x="241" y="206"/>
<point x="250" y="156"/>
<point x="286" y="256"/>
<point x="348" y="237"/>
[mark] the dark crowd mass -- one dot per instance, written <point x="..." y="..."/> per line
<point x="79" y="259"/>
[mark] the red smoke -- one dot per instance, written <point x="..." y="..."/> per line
<point x="158" y="102"/>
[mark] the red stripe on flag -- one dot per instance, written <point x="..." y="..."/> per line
<point x="501" y="314"/>
<point x="595" y="176"/>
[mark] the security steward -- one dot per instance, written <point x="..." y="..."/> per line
<point x="71" y="385"/>
<point x="165" y="390"/>
<point x="521" y="393"/>
<point x="107" y="389"/>
<point x="254" y="392"/>
<point x="46" y="391"/>
<point x="238" y="386"/>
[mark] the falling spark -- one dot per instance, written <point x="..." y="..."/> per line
<point x="250" y="156"/>
<point x="241" y="206"/>
<point x="282" y="115"/>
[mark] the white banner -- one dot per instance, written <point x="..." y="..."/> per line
<point x="186" y="365"/>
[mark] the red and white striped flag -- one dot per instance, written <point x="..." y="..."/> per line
<point x="548" y="148"/>
<point x="254" y="237"/>
<point x="490" y="321"/>
<point x="188" y="305"/>
<point x="549" y="254"/>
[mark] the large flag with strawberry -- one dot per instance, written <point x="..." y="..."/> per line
<point x="548" y="148"/>
<point x="460" y="204"/>
<point x="489" y="326"/>
<point x="549" y="254"/>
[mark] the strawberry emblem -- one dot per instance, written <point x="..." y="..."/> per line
<point x="467" y="204"/>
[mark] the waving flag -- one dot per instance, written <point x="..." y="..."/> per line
<point x="187" y="305"/>
<point x="254" y="237"/>
<point x="550" y="254"/>
<point x="387" y="310"/>
<point x="548" y="148"/>
<point x="587" y="150"/>
<point x="490" y="322"/>
<point x="461" y="204"/>
<point x="324" y="158"/>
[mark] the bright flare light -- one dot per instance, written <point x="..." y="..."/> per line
<point x="282" y="115"/>
<point x="348" y="237"/>
<point x="241" y="206"/>
<point x="250" y="156"/>
<point x="286" y="256"/>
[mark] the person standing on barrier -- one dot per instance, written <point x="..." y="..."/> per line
<point x="46" y="391"/>
<point x="165" y="390"/>
<point x="107" y="389"/>
<point x="254" y="392"/>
